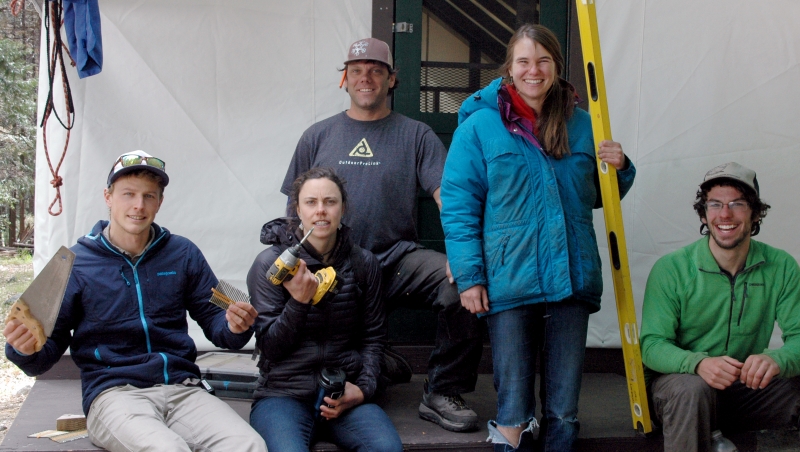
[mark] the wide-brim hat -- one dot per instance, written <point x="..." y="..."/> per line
<point x="148" y="162"/>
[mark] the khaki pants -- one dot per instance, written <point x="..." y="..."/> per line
<point x="167" y="418"/>
<point x="690" y="410"/>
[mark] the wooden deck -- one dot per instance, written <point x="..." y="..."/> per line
<point x="604" y="413"/>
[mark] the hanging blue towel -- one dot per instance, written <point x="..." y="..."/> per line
<point x="82" y="21"/>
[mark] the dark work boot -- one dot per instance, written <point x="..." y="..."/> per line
<point x="449" y="411"/>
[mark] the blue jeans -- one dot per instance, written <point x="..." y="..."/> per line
<point x="556" y="334"/>
<point x="288" y="424"/>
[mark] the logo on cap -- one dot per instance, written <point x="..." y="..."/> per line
<point x="359" y="47"/>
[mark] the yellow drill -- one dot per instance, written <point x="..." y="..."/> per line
<point x="327" y="284"/>
<point x="286" y="265"/>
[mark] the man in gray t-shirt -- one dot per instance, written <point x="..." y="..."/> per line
<point x="386" y="158"/>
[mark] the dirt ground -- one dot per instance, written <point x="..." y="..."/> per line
<point x="16" y="273"/>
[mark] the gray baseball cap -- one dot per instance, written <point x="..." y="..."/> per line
<point x="370" y="49"/>
<point x="733" y="171"/>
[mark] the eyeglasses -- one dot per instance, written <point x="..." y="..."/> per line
<point x="734" y="206"/>
<point x="133" y="159"/>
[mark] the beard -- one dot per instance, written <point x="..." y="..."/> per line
<point x="733" y="242"/>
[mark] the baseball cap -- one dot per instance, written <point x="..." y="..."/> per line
<point x="137" y="160"/>
<point x="733" y="171"/>
<point x="370" y="49"/>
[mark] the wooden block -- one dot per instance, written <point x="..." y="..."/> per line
<point x="71" y="422"/>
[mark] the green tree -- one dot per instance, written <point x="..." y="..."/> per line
<point x="18" y="80"/>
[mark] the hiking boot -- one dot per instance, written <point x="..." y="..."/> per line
<point x="449" y="411"/>
<point x="394" y="368"/>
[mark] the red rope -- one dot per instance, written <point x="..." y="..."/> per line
<point x="16" y="7"/>
<point x="56" y="61"/>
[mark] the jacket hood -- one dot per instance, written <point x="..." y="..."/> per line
<point x="483" y="98"/>
<point x="281" y="232"/>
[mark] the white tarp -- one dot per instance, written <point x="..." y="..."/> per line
<point x="222" y="90"/>
<point x="692" y="85"/>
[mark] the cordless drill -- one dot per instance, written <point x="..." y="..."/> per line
<point x="285" y="266"/>
<point x="327" y="284"/>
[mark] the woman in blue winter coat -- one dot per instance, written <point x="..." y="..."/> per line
<point x="299" y="338"/>
<point x="518" y="190"/>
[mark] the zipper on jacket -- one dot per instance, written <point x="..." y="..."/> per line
<point x="141" y="309"/>
<point x="122" y="273"/>
<point x="744" y="297"/>
<point x="732" y="280"/>
<point x="166" y="374"/>
<point x="142" y="317"/>
<point x="500" y="254"/>
<point x="503" y="250"/>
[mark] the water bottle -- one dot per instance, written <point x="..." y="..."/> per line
<point x="331" y="384"/>
<point x="721" y="444"/>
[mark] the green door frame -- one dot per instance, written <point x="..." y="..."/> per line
<point x="554" y="14"/>
<point x="406" y="100"/>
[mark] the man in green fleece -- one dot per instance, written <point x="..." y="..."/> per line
<point x="708" y="315"/>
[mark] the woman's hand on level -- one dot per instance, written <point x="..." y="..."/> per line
<point x="611" y="153"/>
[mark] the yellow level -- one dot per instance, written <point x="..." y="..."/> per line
<point x="601" y="128"/>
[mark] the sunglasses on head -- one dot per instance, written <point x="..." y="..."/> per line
<point x="133" y="159"/>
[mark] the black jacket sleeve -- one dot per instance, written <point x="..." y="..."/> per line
<point x="280" y="317"/>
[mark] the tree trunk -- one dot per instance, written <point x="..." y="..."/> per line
<point x="12" y="224"/>
<point x="21" y="215"/>
<point x="2" y="227"/>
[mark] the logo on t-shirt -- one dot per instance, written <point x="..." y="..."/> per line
<point x="362" y="149"/>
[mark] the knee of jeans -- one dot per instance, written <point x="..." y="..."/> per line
<point x="498" y="438"/>
<point x="569" y="419"/>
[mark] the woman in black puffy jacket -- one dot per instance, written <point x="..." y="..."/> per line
<point x="298" y="338"/>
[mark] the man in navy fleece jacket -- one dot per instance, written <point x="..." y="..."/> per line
<point x="124" y="318"/>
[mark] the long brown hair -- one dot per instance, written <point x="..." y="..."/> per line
<point x="560" y="101"/>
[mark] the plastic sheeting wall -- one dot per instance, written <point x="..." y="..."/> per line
<point x="692" y="85"/>
<point x="223" y="90"/>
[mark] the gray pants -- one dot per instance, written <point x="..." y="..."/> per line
<point x="168" y="418"/>
<point x="690" y="410"/>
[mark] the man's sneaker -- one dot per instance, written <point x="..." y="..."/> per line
<point x="394" y="368"/>
<point x="450" y="412"/>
